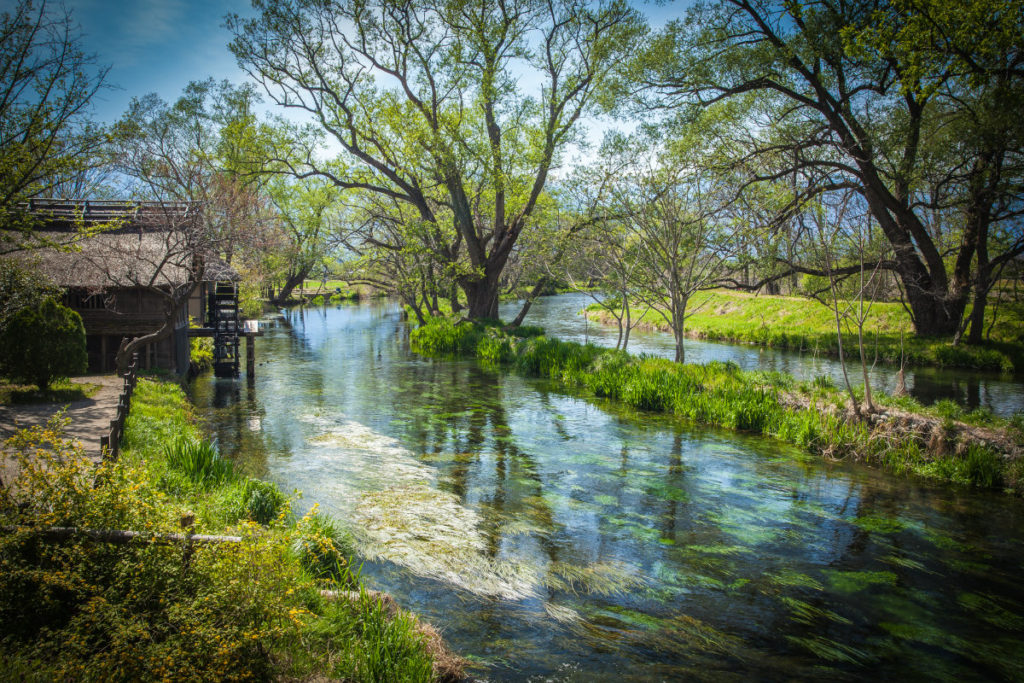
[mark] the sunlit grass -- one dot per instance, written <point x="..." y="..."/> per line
<point x="251" y="610"/>
<point x="806" y="325"/>
<point x="62" y="391"/>
<point x="811" y="415"/>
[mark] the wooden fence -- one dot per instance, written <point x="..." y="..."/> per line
<point x="110" y="445"/>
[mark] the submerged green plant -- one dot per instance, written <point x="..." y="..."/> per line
<point x="721" y="394"/>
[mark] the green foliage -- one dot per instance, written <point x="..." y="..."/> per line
<point x="721" y="394"/>
<point x="262" y="502"/>
<point x="90" y="611"/>
<point x="42" y="343"/>
<point x="824" y="382"/>
<point x="442" y="336"/>
<point x="1016" y="427"/>
<point x="199" y="461"/>
<point x="323" y="549"/>
<point x="46" y="138"/>
<point x="250" y="301"/>
<point x="200" y="351"/>
<point x="979" y="466"/>
<point x="805" y="325"/>
<point x="948" y="409"/>
<point x="20" y="288"/>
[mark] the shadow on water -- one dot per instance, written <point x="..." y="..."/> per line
<point x="557" y="538"/>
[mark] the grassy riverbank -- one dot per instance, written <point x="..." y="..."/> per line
<point x="807" y="325"/>
<point x="284" y="603"/>
<point x="903" y="438"/>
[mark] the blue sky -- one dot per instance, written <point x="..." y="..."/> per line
<point x="156" y="45"/>
<point x="160" y="45"/>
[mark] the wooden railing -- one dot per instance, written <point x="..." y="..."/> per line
<point x="110" y="445"/>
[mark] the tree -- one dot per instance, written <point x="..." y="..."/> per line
<point x="424" y="100"/>
<point x="47" y="84"/>
<point x="894" y="99"/>
<point x="305" y="210"/>
<point x="170" y="156"/>
<point x="42" y="343"/>
<point x="20" y="287"/>
<point x="392" y="249"/>
<point x="673" y="205"/>
<point x="838" y="238"/>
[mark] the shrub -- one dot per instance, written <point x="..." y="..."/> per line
<point x="20" y="288"/>
<point x="43" y="343"/>
<point x="323" y="549"/>
<point x="262" y="501"/>
<point x="200" y="351"/>
<point x="82" y="610"/>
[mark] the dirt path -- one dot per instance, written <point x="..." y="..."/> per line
<point x="90" y="417"/>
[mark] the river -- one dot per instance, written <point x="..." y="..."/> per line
<point x="555" y="538"/>
<point x="1002" y="394"/>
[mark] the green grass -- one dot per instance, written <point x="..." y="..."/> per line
<point x="807" y="325"/>
<point x="810" y="415"/>
<point x="62" y="391"/>
<point x="81" y="610"/>
<point x="330" y="290"/>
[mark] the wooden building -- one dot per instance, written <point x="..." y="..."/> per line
<point x="147" y="265"/>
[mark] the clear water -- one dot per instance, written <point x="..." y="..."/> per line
<point x="1002" y="394"/>
<point x="555" y="538"/>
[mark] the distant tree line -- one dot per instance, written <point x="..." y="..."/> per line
<point x="834" y="150"/>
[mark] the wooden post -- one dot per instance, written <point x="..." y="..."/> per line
<point x="186" y="522"/>
<point x="250" y="357"/>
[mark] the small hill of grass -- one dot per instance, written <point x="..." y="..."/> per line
<point x="802" y="324"/>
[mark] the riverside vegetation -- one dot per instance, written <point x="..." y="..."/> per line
<point x="285" y="602"/>
<point x="801" y="324"/>
<point x="942" y="442"/>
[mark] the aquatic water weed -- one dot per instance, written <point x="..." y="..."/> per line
<point x="720" y="394"/>
<point x="85" y="610"/>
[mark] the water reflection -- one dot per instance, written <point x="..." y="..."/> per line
<point x="558" y="315"/>
<point x="559" y="538"/>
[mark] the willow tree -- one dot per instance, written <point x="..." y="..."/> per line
<point x="914" y="104"/>
<point x="426" y="102"/>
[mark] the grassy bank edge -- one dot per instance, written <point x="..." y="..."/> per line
<point x="805" y="325"/>
<point x="902" y="438"/>
<point x="283" y="603"/>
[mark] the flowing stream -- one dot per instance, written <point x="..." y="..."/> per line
<point x="555" y="538"/>
<point x="1002" y="394"/>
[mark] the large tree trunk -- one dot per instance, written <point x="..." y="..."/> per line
<point x="482" y="298"/>
<point x="293" y="281"/>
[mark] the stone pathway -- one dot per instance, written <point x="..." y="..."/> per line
<point x="90" y="418"/>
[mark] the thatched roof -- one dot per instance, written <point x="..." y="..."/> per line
<point x="140" y="244"/>
<point x="119" y="260"/>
